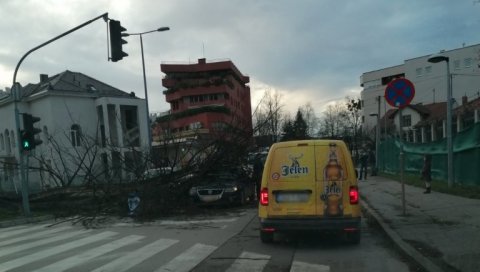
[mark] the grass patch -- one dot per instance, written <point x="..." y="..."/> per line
<point x="457" y="189"/>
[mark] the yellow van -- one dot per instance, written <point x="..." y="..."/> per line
<point x="309" y="185"/>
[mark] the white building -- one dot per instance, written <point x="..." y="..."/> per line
<point x="429" y="80"/>
<point x="85" y="124"/>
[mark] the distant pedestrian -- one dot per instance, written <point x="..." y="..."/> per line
<point x="427" y="172"/>
<point x="363" y="165"/>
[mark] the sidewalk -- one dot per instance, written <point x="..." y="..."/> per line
<point x="440" y="231"/>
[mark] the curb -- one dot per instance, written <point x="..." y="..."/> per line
<point x="407" y="249"/>
<point x="25" y="220"/>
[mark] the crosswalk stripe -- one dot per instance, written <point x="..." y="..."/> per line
<point x="126" y="262"/>
<point x="188" y="259"/>
<point x="249" y="262"/>
<point x="90" y="254"/>
<point x="16" y="231"/>
<point x="13" y="249"/>
<point x="308" y="267"/>
<point x="55" y="250"/>
<point x="33" y="236"/>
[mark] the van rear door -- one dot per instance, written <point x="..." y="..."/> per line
<point x="291" y="181"/>
<point x="331" y="179"/>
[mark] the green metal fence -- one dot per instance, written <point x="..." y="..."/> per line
<point x="466" y="159"/>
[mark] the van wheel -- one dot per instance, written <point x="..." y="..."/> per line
<point x="266" y="237"/>
<point x="353" y="237"/>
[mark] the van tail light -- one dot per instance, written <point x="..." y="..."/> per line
<point x="353" y="193"/>
<point x="264" y="197"/>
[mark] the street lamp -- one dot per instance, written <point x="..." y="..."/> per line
<point x="145" y="78"/>
<point x="435" y="59"/>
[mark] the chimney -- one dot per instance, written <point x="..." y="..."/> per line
<point x="43" y="78"/>
<point x="464" y="100"/>
<point x="202" y="61"/>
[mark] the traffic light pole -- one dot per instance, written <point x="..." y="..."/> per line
<point x="17" y="97"/>
<point x="23" y="176"/>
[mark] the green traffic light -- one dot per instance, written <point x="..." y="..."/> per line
<point x="26" y="144"/>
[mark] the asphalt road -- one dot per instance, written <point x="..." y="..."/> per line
<point x="226" y="240"/>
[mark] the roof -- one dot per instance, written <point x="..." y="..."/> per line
<point x="204" y="66"/>
<point x="74" y="82"/>
<point x="468" y="106"/>
<point x="430" y="113"/>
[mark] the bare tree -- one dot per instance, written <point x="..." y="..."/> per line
<point x="310" y="118"/>
<point x="333" y="124"/>
<point x="269" y="115"/>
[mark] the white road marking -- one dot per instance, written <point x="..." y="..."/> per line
<point x="307" y="267"/>
<point x="15" y="231"/>
<point x="249" y="262"/>
<point x="208" y="221"/>
<point x="90" y="254"/>
<point x="55" y="250"/>
<point x="33" y="236"/>
<point x="132" y="259"/>
<point x="188" y="259"/>
<point x="13" y="249"/>
<point x="180" y="222"/>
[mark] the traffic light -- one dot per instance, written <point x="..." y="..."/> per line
<point x="28" y="133"/>
<point x="116" y="41"/>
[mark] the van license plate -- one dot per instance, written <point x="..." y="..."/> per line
<point x="292" y="197"/>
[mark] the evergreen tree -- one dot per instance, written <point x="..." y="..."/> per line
<point x="300" y="127"/>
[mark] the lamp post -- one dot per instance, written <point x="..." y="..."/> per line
<point x="435" y="59"/>
<point x="145" y="78"/>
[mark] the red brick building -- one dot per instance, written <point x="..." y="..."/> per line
<point x="204" y="97"/>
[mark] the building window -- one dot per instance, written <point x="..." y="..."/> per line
<point x="406" y="120"/>
<point x="418" y="71"/>
<point x="219" y="126"/>
<point x="8" y="147"/>
<point x="75" y="135"/>
<point x="467" y="62"/>
<point x="456" y="64"/>
<point x="428" y="70"/>
<point x="45" y="134"/>
<point x="195" y="125"/>
<point x="2" y="143"/>
<point x="12" y="135"/>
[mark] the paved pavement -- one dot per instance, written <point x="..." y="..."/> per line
<point x="439" y="231"/>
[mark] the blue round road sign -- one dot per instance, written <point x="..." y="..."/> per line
<point x="399" y="92"/>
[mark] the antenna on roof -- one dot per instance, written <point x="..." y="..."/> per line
<point x="203" y="49"/>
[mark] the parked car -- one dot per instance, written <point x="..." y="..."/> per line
<point x="155" y="172"/>
<point x="223" y="187"/>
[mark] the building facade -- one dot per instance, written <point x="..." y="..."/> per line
<point x="204" y="97"/>
<point x="430" y="81"/>
<point x="84" y="123"/>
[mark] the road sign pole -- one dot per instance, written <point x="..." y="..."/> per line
<point x="399" y="93"/>
<point x="402" y="162"/>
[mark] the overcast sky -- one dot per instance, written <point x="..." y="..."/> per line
<point x="309" y="51"/>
